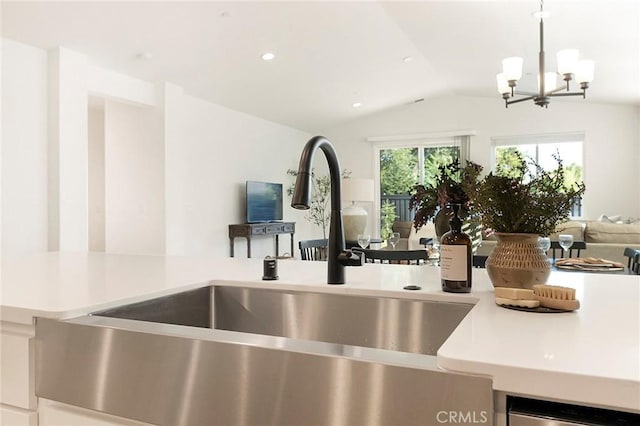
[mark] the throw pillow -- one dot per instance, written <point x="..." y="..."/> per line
<point x="610" y="219"/>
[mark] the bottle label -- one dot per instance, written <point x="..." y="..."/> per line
<point x="453" y="262"/>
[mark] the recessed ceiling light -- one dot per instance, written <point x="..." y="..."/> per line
<point x="356" y="104"/>
<point x="268" y="56"/>
<point x="407" y="59"/>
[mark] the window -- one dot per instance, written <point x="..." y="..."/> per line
<point x="541" y="149"/>
<point x="402" y="168"/>
<point x="400" y="165"/>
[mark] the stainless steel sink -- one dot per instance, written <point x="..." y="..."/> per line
<point x="244" y="356"/>
<point x="376" y="322"/>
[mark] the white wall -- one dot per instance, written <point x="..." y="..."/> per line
<point x="611" y="148"/>
<point x="49" y="172"/>
<point x="96" y="176"/>
<point x="107" y="84"/>
<point x="24" y="149"/>
<point x="68" y="223"/>
<point x="1" y="127"/>
<point x="129" y="217"/>
<point x="210" y="152"/>
<point x="134" y="179"/>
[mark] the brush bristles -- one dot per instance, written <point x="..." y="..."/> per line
<point x="557" y="297"/>
<point x="554" y="292"/>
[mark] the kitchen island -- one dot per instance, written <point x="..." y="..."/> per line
<point x="590" y="357"/>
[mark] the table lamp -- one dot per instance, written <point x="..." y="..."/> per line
<point x="355" y="217"/>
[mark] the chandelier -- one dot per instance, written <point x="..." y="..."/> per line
<point x="568" y="66"/>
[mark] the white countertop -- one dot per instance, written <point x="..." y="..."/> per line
<point x="591" y="356"/>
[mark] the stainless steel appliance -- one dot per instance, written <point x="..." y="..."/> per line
<point x="531" y="412"/>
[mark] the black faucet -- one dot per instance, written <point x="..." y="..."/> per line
<point x="338" y="256"/>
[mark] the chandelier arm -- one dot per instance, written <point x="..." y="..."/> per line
<point x="515" y="101"/>
<point x="532" y="94"/>
<point x="567" y="94"/>
<point x="557" y="89"/>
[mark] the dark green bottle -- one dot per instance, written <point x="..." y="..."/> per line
<point x="455" y="256"/>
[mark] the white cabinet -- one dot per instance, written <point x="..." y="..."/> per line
<point x="13" y="416"/>
<point x="18" y="403"/>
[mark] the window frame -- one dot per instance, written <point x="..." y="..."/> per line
<point x="539" y="139"/>
<point x="460" y="139"/>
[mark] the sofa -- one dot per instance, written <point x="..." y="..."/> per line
<point x="604" y="239"/>
<point x="404" y="228"/>
<point x="409" y="237"/>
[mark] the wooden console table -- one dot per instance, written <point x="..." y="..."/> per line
<point x="250" y="230"/>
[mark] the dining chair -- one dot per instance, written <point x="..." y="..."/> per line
<point x="576" y="247"/>
<point x="479" y="261"/>
<point x="425" y="241"/>
<point x="633" y="264"/>
<point x="313" y="249"/>
<point x="404" y="257"/>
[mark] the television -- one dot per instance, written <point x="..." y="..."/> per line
<point x="264" y="202"/>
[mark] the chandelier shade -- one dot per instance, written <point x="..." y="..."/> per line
<point x="512" y="68"/>
<point x="503" y="83"/>
<point x="584" y="71"/>
<point x="570" y="67"/>
<point x="567" y="61"/>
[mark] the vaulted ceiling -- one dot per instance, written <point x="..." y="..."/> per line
<point x="330" y="55"/>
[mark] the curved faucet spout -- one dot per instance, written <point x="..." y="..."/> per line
<point x="302" y="199"/>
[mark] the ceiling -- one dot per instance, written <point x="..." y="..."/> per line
<point x="330" y="55"/>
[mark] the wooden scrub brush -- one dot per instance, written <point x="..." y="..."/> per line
<point x="557" y="297"/>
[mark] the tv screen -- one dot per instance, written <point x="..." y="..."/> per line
<point x="264" y="201"/>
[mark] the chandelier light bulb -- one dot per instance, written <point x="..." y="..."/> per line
<point x="503" y="84"/>
<point x="585" y="71"/>
<point x="512" y="68"/>
<point x="567" y="61"/>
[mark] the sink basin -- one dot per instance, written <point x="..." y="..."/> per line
<point x="246" y="356"/>
<point x="376" y="322"/>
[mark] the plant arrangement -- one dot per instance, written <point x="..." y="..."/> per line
<point x="524" y="198"/>
<point x="451" y="186"/>
<point x="319" y="212"/>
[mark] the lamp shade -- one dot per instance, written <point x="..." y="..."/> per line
<point x="512" y="67"/>
<point x="357" y="189"/>
<point x="567" y="61"/>
<point x="503" y="84"/>
<point x="585" y="71"/>
<point x="355" y="217"/>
